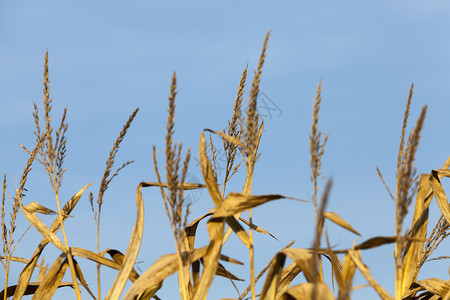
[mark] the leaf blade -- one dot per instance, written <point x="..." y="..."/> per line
<point x="335" y="218"/>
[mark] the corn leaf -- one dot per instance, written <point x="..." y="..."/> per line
<point x="439" y="193"/>
<point x="150" y="292"/>
<point x="205" y="166"/>
<point x="185" y="186"/>
<point x="305" y="260"/>
<point x="40" y="226"/>
<point x="211" y="258"/>
<point x="221" y="271"/>
<point x="118" y="257"/>
<point x="35" y="207"/>
<point x="435" y="286"/>
<point x="235" y="203"/>
<point x="316" y="290"/>
<point x="99" y="259"/>
<point x="162" y="268"/>
<point x="335" y="218"/>
<point x="239" y="230"/>
<point x="287" y="276"/>
<point x="31" y="288"/>
<point x="412" y="253"/>
<point x="371" y="243"/>
<point x="132" y="251"/>
<point x="272" y="282"/>
<point x="336" y="266"/>
<point x="348" y="271"/>
<point x="52" y="280"/>
<point x="214" y="192"/>
<point x="230" y="260"/>
<point x="191" y="229"/>
<point x="80" y="276"/>
<point x="227" y="138"/>
<point x="356" y="257"/>
<point x="257" y="228"/>
<point x="26" y="273"/>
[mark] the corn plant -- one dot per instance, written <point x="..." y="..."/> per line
<point x="197" y="266"/>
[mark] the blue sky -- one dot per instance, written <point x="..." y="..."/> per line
<point x="106" y="58"/>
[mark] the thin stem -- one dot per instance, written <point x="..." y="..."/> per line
<point x="99" y="289"/>
<point x="6" y="276"/>
<point x="252" y="258"/>
<point x="68" y="251"/>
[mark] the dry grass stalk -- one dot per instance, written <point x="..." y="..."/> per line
<point x="232" y="130"/>
<point x="8" y="240"/>
<point x="411" y="248"/>
<point x="52" y="155"/>
<point x="174" y="199"/>
<point x="251" y="140"/>
<point x="250" y="134"/>
<point x="406" y="173"/>
<point x="250" y="129"/>
<point x="106" y="180"/>
<point x="7" y="234"/>
<point x="403" y="132"/>
<point x="317" y="148"/>
<point x="107" y="177"/>
<point x="6" y="244"/>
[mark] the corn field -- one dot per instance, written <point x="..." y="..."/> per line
<point x="292" y="273"/>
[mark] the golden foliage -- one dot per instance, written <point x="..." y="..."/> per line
<point x="196" y="267"/>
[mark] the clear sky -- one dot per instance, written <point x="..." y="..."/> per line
<point x="108" y="57"/>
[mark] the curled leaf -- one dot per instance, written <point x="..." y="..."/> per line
<point x="30" y="289"/>
<point x="439" y="193"/>
<point x="356" y="257"/>
<point x="53" y="279"/>
<point x="133" y="248"/>
<point x="165" y="266"/>
<point x="35" y="207"/>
